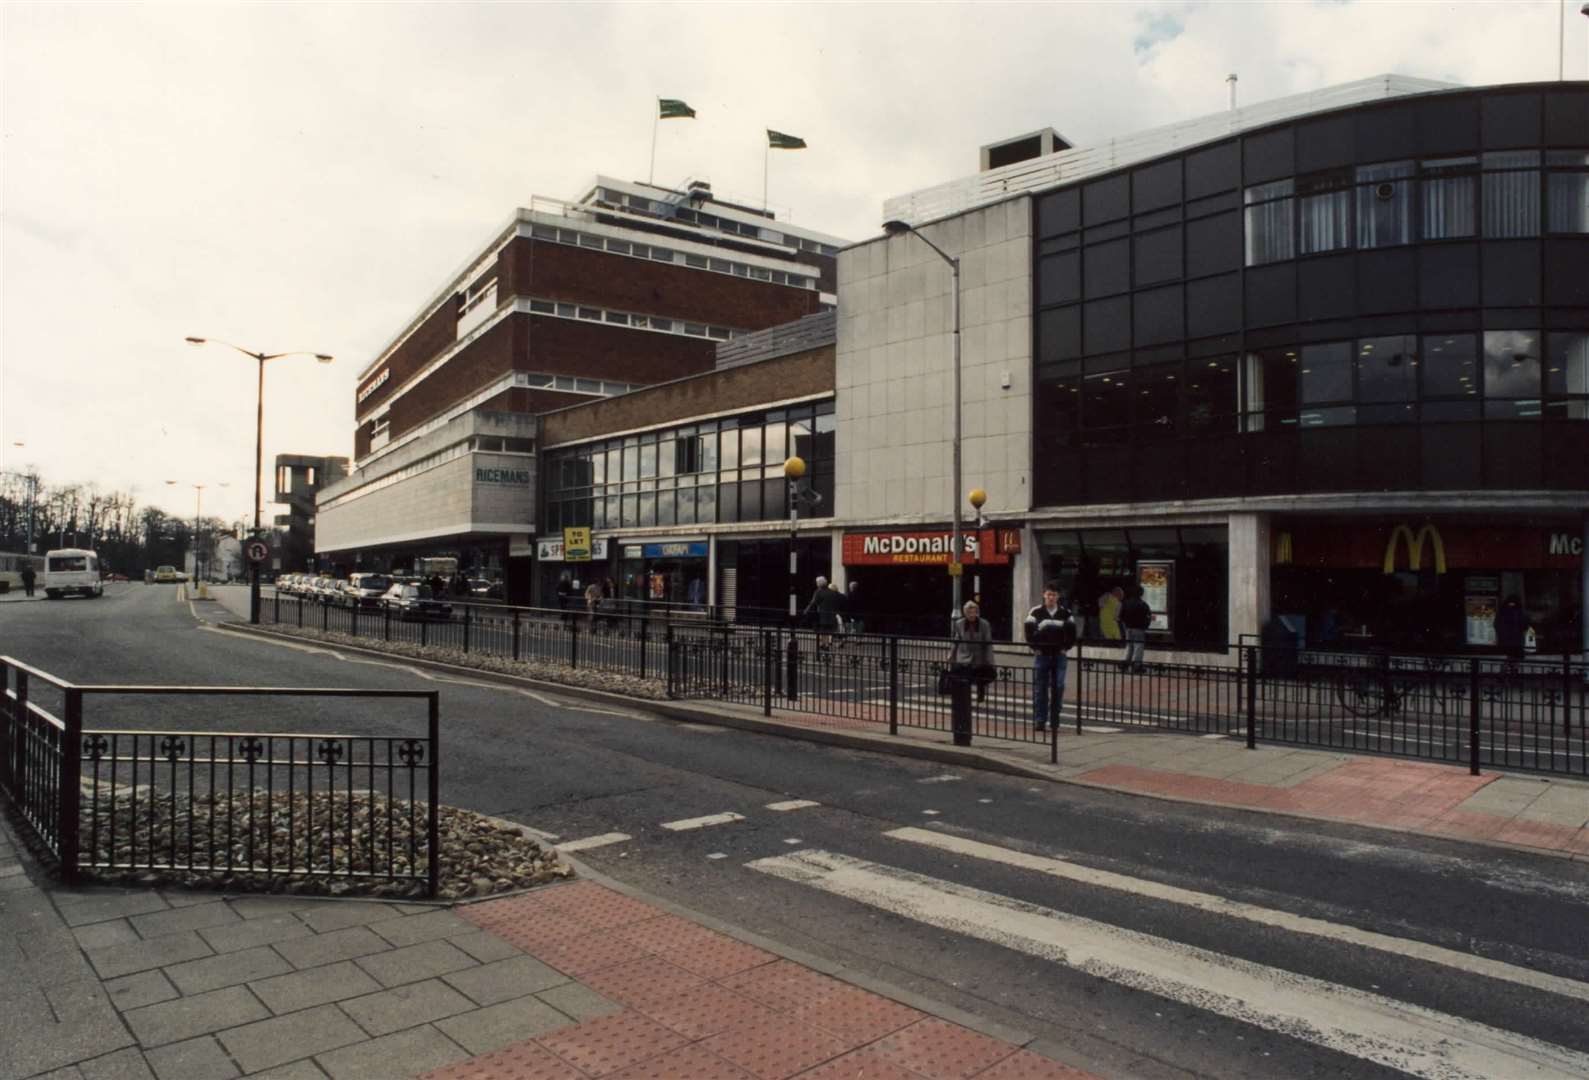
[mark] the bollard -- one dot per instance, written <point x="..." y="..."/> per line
<point x="960" y="707"/>
<point x="1473" y="716"/>
<point x="515" y="635"/>
<point x="1251" y="654"/>
<point x="466" y="621"/>
<point x="792" y="668"/>
<point x="893" y="686"/>
<point x="766" y="672"/>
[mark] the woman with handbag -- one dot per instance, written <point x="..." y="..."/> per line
<point x="971" y="650"/>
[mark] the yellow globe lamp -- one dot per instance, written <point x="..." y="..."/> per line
<point x="976" y="498"/>
<point x="794" y="467"/>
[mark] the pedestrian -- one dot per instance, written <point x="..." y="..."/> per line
<point x="1109" y="613"/>
<point x="28" y="577"/>
<point x="1051" y="632"/>
<point x="852" y="607"/>
<point x="823" y="610"/>
<point x="1135" y="618"/>
<point x="971" y="649"/>
<point x="592" y="605"/>
<point x="1511" y="628"/>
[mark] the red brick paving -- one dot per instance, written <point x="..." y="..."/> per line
<point x="704" y="1006"/>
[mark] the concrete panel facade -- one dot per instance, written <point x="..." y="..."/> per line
<point x="448" y="500"/>
<point x="894" y="369"/>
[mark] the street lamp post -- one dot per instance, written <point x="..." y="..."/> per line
<point x="794" y="467"/>
<point x="198" y="514"/>
<point x="976" y="497"/>
<point x="897" y="228"/>
<point x="33" y="495"/>
<point x="259" y="443"/>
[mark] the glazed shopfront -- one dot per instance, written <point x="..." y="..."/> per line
<point x="1432" y="584"/>
<point x="904" y="586"/>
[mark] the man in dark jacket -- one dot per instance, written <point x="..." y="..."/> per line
<point x="29" y="576"/>
<point x="1511" y="628"/>
<point x="1135" y="617"/>
<point x="1051" y="632"/>
<point x="824" y="605"/>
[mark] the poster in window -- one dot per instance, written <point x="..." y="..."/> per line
<point x="1480" y="619"/>
<point x="1156" y="579"/>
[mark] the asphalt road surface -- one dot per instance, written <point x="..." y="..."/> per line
<point x="1134" y="937"/>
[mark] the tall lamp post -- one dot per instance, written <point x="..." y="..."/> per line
<point x="259" y="443"/>
<point x="33" y="495"/>
<point x="198" y="513"/>
<point x="898" y="228"/>
<point x="976" y="497"/>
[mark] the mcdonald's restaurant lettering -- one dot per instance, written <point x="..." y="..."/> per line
<point x="992" y="547"/>
<point x="1415" y="548"/>
<point x="1564" y="544"/>
<point x="502" y="476"/>
<point x="1424" y="546"/>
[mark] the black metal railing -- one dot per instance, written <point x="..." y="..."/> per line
<point x="1525" y="714"/>
<point x="235" y="804"/>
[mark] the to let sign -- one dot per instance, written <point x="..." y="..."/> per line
<point x="576" y="544"/>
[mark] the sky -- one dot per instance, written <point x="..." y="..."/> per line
<point x="307" y="176"/>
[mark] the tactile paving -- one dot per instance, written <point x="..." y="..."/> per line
<point x="941" y="1050"/>
<point x="775" y="1048"/>
<point x="602" y="1047"/>
<point x="783" y="985"/>
<point x="525" y="923"/>
<point x="521" y="1061"/>
<point x="857" y="1016"/>
<point x="707" y="1010"/>
<point x="862" y="1064"/>
<point x="650" y="980"/>
<point x="1025" y="1065"/>
<point x="694" y="1062"/>
<point x="598" y="906"/>
<point x="583" y="955"/>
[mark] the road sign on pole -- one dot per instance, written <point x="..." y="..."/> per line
<point x="257" y="551"/>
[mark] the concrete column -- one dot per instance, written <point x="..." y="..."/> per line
<point x="1249" y="574"/>
<point x="839" y="577"/>
<point x="1583" y="587"/>
<point x="711" y="570"/>
<point x="1026" y="581"/>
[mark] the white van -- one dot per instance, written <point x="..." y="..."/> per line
<point x="72" y="570"/>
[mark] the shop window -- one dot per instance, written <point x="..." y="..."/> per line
<point x="1212" y="395"/>
<point x="750" y="446"/>
<point x="1567" y="193"/>
<point x="1326" y="377"/>
<point x="1512" y="384"/>
<point x="1269" y="391"/>
<point x="1325" y="212"/>
<point x="1270" y="208"/>
<point x="775" y="440"/>
<point x="1387" y="372"/>
<point x="1058" y="421"/>
<point x="1384" y="204"/>
<point x="648" y="461"/>
<point x="1450" y="192"/>
<point x="1567" y="376"/>
<point x="1511" y="193"/>
<point x="647" y="508"/>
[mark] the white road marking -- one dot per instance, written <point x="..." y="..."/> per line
<point x="944" y="779"/>
<point x="984" y="800"/>
<point x="1214" y="735"/>
<point x="709" y="729"/>
<point x="1218" y="905"/>
<point x="718" y="855"/>
<point x="792" y="804"/>
<point x="792" y="840"/>
<point x="589" y="842"/>
<point x="1410" y="1038"/>
<point x="539" y="834"/>
<point x="685" y="824"/>
<point x="930" y="813"/>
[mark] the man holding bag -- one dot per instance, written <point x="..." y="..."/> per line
<point x="1050" y="632"/>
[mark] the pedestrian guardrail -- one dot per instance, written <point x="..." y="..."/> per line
<point x="220" y="803"/>
<point x="1475" y="710"/>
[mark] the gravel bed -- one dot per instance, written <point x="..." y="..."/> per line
<point x="541" y="670"/>
<point x="259" y="841"/>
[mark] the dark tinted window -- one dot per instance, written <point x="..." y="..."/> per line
<point x="1157" y="397"/>
<point x="1267" y="157"/>
<point x="1449" y="366"/>
<point x="1156" y="186"/>
<point x="1059" y="334"/>
<point x="1213" y="305"/>
<point x="1327" y="372"/>
<point x="1215" y="169"/>
<point x="1106" y="200"/>
<point x="1509" y="120"/>
<point x="1158" y="256"/>
<point x="1511" y="364"/>
<point x="1387" y="369"/>
<point x="1108" y="325"/>
<point x="1157" y="316"/>
<point x="1108" y="268"/>
<point x="1059" y="211"/>
<point x="1059" y="278"/>
<point x="1212" y="395"/>
<point x="1213" y="245"/>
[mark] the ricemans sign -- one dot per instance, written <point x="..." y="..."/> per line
<point x="502" y="476"/>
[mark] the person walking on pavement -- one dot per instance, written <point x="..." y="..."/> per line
<point x="1109" y="613"/>
<point x="1051" y="632"/>
<point x="28" y="577"/>
<point x="1511" y="628"/>
<point x="824" y="607"/>
<point x="1135" y="617"/>
<point x="971" y="649"/>
<point x="852" y="607"/>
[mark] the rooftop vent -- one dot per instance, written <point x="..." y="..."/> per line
<point x="1034" y="144"/>
<point x="700" y="189"/>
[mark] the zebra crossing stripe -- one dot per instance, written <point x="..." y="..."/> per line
<point x="685" y="824"/>
<point x="1410" y="1038"/>
<point x="594" y="841"/>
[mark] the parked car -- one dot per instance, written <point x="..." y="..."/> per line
<point x="326" y="590"/>
<point x="166" y="575"/>
<point x="365" y="590"/>
<point x="411" y="601"/>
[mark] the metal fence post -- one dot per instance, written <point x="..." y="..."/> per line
<point x="386" y="624"/>
<point x="70" y="787"/>
<point x="792" y="674"/>
<point x="325" y="616"/>
<point x="424" y="630"/>
<point x="1250" y="654"/>
<point x="353" y="620"/>
<point x="766" y="673"/>
<point x="643" y="624"/>
<point x="1566" y="697"/>
<point x="433" y="813"/>
<point x="275" y="607"/>
<point x="573" y="644"/>
<point x="1081" y="687"/>
<point x="1473" y="716"/>
<point x="300" y="612"/>
<point x="515" y="634"/>
<point x="467" y="619"/>
<point x="893" y="686"/>
<point x="725" y="662"/>
<point x="670" y="659"/>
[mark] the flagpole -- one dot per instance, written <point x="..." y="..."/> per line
<point x="656" y="120"/>
<point x="766" y="156"/>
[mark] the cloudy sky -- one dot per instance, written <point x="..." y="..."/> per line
<point x="305" y="176"/>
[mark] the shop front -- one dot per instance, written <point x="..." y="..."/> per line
<point x="1431" y="584"/>
<point x="903" y="584"/>
<point x="553" y="567"/>
<point x="673" y="573"/>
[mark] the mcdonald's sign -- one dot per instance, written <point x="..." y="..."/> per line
<point x="1415" y="548"/>
<point x="1283" y="552"/>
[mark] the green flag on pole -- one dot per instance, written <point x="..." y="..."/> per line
<point x="777" y="140"/>
<point x="674" y="109"/>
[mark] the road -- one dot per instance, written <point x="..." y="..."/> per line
<point x="1133" y="937"/>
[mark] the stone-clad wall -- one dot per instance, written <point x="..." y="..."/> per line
<point x="894" y="368"/>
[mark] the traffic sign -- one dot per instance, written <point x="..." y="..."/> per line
<point x="257" y="551"/>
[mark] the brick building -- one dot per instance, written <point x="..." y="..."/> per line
<point x="630" y="286"/>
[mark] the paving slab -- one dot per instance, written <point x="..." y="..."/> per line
<point x="579" y="1001"/>
<point x="259" y="1046"/>
<point x="404" y="1053"/>
<point x="80" y="909"/>
<point x="505" y="979"/>
<point x="105" y="934"/>
<point x="196" y="1059"/>
<point x="254" y="907"/>
<point x="125" y="1064"/>
<point x="227" y="969"/>
<point x="484" y="1030"/>
<point x="416" y="962"/>
<point x="355" y="941"/>
<point x="194" y="917"/>
<point x="335" y="915"/>
<point x="485" y="946"/>
<point x="184" y="1018"/>
<point x="416" y="929"/>
<point x="136" y="991"/>
<point x="143" y="955"/>
<point x="266" y="929"/>
<point x="297" y="1070"/>
<point x="406" y="1006"/>
<point x="315" y="986"/>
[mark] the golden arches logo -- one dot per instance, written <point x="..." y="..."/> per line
<point x="1283" y="554"/>
<point x="1415" y="548"/>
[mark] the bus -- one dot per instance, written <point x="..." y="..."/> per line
<point x="11" y="565"/>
